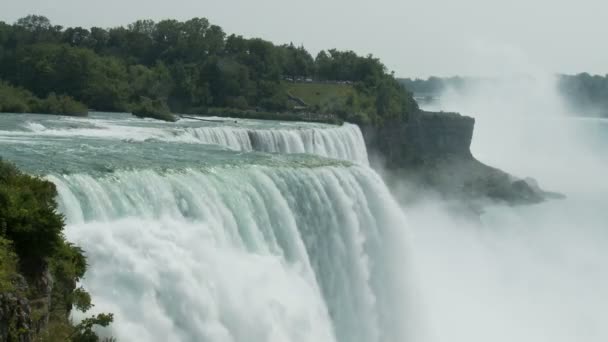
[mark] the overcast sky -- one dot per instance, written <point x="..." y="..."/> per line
<point x="413" y="38"/>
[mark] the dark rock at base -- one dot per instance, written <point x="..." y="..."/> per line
<point x="431" y="152"/>
<point x="466" y="178"/>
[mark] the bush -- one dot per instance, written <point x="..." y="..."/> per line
<point x="61" y="104"/>
<point x="13" y="105"/>
<point x="8" y="265"/>
<point x="14" y="100"/>
<point x="155" y="109"/>
<point x="32" y="241"/>
<point x="28" y="216"/>
<point x="17" y="100"/>
<point x="238" y="102"/>
<point x="359" y="118"/>
<point x="277" y="102"/>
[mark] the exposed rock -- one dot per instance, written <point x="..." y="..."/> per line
<point x="424" y="136"/>
<point x="15" y="314"/>
<point x="41" y="305"/>
<point x="21" y="318"/>
<point x="432" y="152"/>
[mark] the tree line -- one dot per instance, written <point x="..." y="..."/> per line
<point x="188" y="65"/>
<point x="585" y="94"/>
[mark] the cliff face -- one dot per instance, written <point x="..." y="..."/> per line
<point x="424" y="137"/>
<point x="431" y="151"/>
<point x="22" y="318"/>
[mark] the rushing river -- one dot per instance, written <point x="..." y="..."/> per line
<point x="223" y="231"/>
<point x="254" y="231"/>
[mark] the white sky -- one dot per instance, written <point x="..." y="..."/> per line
<point x="413" y="38"/>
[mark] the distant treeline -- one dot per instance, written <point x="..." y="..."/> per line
<point x="584" y="93"/>
<point x="189" y="66"/>
<point x="433" y="86"/>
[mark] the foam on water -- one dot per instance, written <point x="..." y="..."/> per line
<point x="255" y="254"/>
<point x="339" y="142"/>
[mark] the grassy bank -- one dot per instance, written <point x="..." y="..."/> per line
<point x="320" y="94"/>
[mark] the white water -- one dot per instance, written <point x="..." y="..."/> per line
<point x="529" y="274"/>
<point x="250" y="254"/>
<point x="288" y="253"/>
<point x="339" y="142"/>
<point x="344" y="143"/>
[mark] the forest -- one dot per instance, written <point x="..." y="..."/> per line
<point x="187" y="67"/>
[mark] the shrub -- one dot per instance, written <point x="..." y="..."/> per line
<point x="14" y="100"/>
<point x="28" y="216"/>
<point x="155" y="109"/>
<point x="277" y="102"/>
<point x="8" y="265"/>
<point x="238" y="102"/>
<point x="64" y="105"/>
<point x="32" y="241"/>
<point x="17" y="100"/>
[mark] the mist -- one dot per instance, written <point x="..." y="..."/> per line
<point x="528" y="273"/>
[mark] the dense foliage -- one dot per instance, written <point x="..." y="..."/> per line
<point x="190" y="65"/>
<point x="17" y="100"/>
<point x="32" y="243"/>
<point x="8" y="265"/>
<point x="155" y="109"/>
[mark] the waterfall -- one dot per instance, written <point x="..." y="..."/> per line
<point x="345" y="142"/>
<point x="338" y="142"/>
<point x="243" y="254"/>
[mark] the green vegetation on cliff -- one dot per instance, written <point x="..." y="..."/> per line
<point x="39" y="269"/>
<point x="8" y="265"/>
<point x="341" y="99"/>
<point x="190" y="66"/>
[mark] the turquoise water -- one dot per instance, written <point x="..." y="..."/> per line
<point x="105" y="142"/>
<point x="222" y="231"/>
<point x="265" y="231"/>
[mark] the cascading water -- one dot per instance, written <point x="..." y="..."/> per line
<point x="262" y="254"/>
<point x="339" y="142"/>
<point x="190" y="242"/>
<point x="528" y="273"/>
<point x="345" y="142"/>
